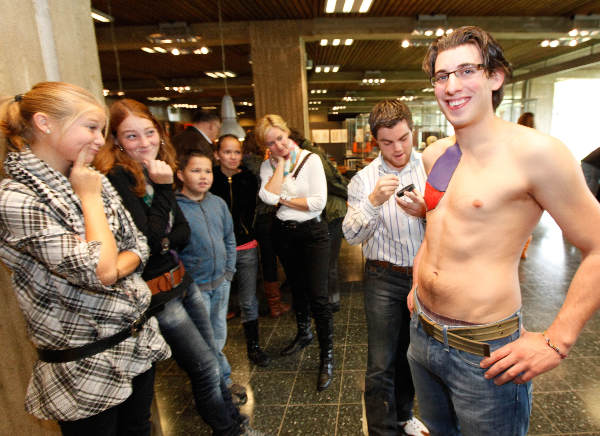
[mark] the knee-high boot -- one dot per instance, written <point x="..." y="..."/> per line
<point x="255" y="354"/>
<point x="273" y="294"/>
<point x="325" y="335"/>
<point x="303" y="337"/>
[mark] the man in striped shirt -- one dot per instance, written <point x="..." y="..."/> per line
<point x="390" y="229"/>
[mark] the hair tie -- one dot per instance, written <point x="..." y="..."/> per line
<point x="18" y="97"/>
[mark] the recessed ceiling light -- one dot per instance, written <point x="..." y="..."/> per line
<point x="103" y="17"/>
<point x="364" y="7"/>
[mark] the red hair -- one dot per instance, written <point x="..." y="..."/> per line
<point x="111" y="154"/>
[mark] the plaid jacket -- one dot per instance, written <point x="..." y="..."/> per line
<point x="42" y="240"/>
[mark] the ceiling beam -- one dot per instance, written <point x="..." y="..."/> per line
<point x="366" y="28"/>
<point x="151" y="85"/>
<point x="357" y="76"/>
<point x="558" y="67"/>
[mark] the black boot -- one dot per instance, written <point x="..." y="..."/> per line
<point x="303" y="337"/>
<point x="325" y="335"/>
<point x="255" y="354"/>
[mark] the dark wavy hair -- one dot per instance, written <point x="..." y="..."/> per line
<point x="492" y="54"/>
<point x="388" y="113"/>
<point x="527" y="119"/>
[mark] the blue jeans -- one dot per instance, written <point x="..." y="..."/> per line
<point x="454" y="397"/>
<point x="246" y="266"/>
<point x="185" y="325"/>
<point x="389" y="391"/>
<point x="216" y="302"/>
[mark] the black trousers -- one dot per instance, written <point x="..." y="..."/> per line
<point x="304" y="253"/>
<point x="263" y="226"/>
<point x="130" y="418"/>
<point x="336" y="235"/>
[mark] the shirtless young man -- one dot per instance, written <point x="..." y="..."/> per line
<point x="484" y="197"/>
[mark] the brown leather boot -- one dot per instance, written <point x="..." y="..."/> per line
<point x="273" y="295"/>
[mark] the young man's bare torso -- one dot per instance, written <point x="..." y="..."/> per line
<point x="468" y="266"/>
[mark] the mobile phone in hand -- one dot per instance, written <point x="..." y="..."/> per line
<point x="401" y="192"/>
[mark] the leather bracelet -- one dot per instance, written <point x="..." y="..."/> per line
<point x="554" y="347"/>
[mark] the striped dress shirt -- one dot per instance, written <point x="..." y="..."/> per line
<point x="386" y="232"/>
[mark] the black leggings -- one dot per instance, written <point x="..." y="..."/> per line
<point x="130" y="418"/>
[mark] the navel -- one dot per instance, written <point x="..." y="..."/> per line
<point x="477" y="203"/>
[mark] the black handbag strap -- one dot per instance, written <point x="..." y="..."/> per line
<point x="302" y="162"/>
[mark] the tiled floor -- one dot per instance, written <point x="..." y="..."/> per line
<point x="283" y="399"/>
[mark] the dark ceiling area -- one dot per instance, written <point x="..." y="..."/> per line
<point x="376" y="50"/>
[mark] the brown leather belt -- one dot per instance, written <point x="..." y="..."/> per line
<point x="470" y="338"/>
<point x="167" y="281"/>
<point x="407" y="270"/>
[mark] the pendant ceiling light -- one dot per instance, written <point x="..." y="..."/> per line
<point x="229" y="124"/>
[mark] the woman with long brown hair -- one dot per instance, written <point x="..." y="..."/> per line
<point x="140" y="161"/>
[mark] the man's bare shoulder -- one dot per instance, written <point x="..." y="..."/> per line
<point x="435" y="150"/>
<point x="533" y="147"/>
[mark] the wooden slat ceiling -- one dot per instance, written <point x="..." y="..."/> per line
<point x="145" y="75"/>
<point x="140" y="12"/>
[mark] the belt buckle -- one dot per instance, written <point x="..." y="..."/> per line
<point x="290" y="225"/>
<point x="137" y="325"/>
<point x="171" y="274"/>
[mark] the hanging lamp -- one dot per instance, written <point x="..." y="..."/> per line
<point x="229" y="124"/>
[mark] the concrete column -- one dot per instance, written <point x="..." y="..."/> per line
<point x="48" y="40"/>
<point x="542" y="90"/>
<point x="279" y="70"/>
<point x="41" y="40"/>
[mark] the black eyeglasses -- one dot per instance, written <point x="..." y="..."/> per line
<point x="463" y="73"/>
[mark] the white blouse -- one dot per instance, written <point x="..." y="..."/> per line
<point x="310" y="184"/>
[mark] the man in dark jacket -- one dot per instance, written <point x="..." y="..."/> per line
<point x="200" y="135"/>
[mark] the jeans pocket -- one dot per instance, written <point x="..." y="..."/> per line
<point x="470" y="359"/>
<point x="474" y="359"/>
<point x="373" y="272"/>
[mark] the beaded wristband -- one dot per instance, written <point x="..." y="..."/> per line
<point x="554" y="347"/>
